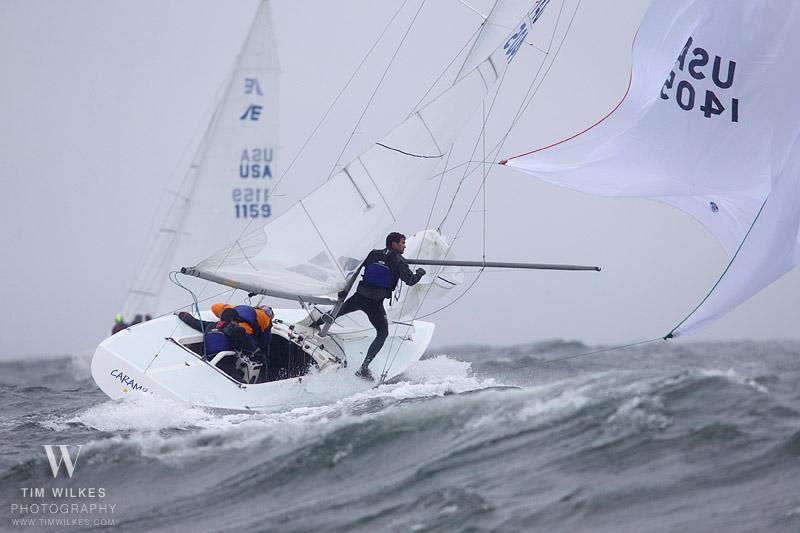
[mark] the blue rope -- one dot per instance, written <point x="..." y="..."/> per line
<point x="173" y="277"/>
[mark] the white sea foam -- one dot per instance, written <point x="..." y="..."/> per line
<point x="731" y="375"/>
<point x="144" y="417"/>
<point x="640" y="411"/>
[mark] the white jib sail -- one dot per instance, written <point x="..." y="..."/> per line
<point x="230" y="180"/>
<point x="709" y="125"/>
<point x="309" y="251"/>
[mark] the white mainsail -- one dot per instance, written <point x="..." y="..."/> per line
<point x="310" y="250"/>
<point x="710" y="125"/>
<point x="229" y="184"/>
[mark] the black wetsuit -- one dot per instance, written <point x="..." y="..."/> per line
<point x="369" y="298"/>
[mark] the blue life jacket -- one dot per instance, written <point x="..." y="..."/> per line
<point x="378" y="274"/>
<point x="216" y="341"/>
<point x="248" y="314"/>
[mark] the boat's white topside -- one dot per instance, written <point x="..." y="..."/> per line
<point x="150" y="358"/>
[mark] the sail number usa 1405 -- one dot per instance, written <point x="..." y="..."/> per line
<point x="688" y="92"/>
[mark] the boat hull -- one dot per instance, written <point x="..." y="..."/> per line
<point x="151" y="358"/>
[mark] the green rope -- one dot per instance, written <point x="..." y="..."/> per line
<point x="670" y="334"/>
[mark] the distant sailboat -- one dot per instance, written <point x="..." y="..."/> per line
<point x="228" y="186"/>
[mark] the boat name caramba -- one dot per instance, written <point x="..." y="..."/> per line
<point x="125" y="379"/>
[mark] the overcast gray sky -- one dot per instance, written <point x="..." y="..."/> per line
<point x="102" y="102"/>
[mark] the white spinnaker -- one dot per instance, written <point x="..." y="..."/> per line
<point x="230" y="178"/>
<point x="712" y="133"/>
<point x="311" y="249"/>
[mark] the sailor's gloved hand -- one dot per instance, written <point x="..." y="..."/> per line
<point x="420" y="272"/>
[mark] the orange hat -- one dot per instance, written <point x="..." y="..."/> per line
<point x="218" y="308"/>
<point x="263" y="317"/>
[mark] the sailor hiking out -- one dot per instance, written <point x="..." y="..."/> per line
<point x="382" y="270"/>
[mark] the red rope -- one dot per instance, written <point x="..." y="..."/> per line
<point x="504" y="161"/>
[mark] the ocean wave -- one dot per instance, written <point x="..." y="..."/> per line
<point x="451" y="445"/>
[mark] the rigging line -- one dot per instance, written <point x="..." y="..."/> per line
<point x="456" y="167"/>
<point x="322" y="238"/>
<point x="467" y="172"/>
<point x="531" y="92"/>
<point x="457" y="298"/>
<point x="485" y="175"/>
<point x="173" y="277"/>
<point x="430" y="286"/>
<point x="177" y="197"/>
<point x="207" y="298"/>
<point x="531" y="95"/>
<point x="549" y="49"/>
<point x="283" y="175"/>
<point x="670" y="334"/>
<point x="484" y="17"/>
<point x="586" y="354"/>
<point x="474" y="148"/>
<point x="377" y="87"/>
<point x="409" y="153"/>
<point x="438" y="189"/>
<point x="444" y="71"/>
<point x="450" y="245"/>
<point x="496" y="151"/>
<point x="344" y="88"/>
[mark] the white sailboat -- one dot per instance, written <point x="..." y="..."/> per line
<point x="227" y="188"/>
<point x="311" y="252"/>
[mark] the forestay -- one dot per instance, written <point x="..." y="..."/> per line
<point x="710" y="125"/>
<point x="231" y="176"/>
<point x="310" y="251"/>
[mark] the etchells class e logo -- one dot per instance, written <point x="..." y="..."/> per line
<point x="64" y="457"/>
<point x="253" y="111"/>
